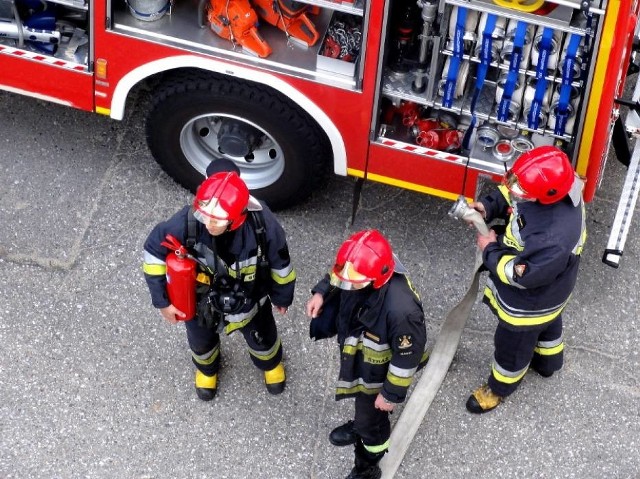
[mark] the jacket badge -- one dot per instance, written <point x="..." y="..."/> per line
<point x="404" y="341"/>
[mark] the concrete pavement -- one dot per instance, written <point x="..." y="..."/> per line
<point x="93" y="384"/>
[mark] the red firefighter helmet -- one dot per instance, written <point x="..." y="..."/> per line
<point x="222" y="197"/>
<point x="365" y="258"/>
<point x="543" y="174"/>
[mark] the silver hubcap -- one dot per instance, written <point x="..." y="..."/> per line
<point x="260" y="168"/>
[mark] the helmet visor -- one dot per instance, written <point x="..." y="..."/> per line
<point x="511" y="182"/>
<point x="347" y="278"/>
<point x="211" y="214"/>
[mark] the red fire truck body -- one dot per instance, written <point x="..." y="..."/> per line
<point x="431" y="99"/>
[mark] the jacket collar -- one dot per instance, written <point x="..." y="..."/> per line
<point x="373" y="304"/>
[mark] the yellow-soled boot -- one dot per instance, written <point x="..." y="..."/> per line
<point x="206" y="386"/>
<point x="275" y="379"/>
<point x="483" y="400"/>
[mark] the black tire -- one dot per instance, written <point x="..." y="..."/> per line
<point x="291" y="160"/>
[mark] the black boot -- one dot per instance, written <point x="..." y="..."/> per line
<point x="542" y="371"/>
<point x="343" y="435"/>
<point x="366" y="464"/>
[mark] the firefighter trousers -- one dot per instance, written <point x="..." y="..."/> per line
<point x="372" y="425"/>
<point x="261" y="335"/>
<point x="516" y="350"/>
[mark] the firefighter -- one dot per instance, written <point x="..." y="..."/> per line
<point x="368" y="301"/>
<point x="243" y="269"/>
<point x="533" y="265"/>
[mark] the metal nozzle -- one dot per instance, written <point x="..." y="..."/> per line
<point x="459" y="208"/>
<point x="462" y="211"/>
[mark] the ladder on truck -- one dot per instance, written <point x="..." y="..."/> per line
<point x="629" y="196"/>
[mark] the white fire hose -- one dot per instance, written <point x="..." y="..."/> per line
<point x="440" y="359"/>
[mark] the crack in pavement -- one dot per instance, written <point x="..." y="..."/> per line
<point x="55" y="263"/>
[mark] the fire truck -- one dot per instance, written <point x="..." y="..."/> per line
<point x="436" y="96"/>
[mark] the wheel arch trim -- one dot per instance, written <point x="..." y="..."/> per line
<point x="128" y="81"/>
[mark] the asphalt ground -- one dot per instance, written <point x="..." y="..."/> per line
<point x="94" y="384"/>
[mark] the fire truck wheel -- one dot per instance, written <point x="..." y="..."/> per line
<point x="280" y="150"/>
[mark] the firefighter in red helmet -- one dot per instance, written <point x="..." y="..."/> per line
<point x="243" y="268"/>
<point x="368" y="301"/>
<point x="533" y="266"/>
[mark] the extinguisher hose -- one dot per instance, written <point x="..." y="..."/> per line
<point x="200" y="262"/>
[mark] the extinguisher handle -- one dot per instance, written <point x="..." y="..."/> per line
<point x="172" y="243"/>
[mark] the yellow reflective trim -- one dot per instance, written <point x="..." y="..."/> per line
<point x="244" y="271"/>
<point x="154" y="269"/>
<point x="266" y="357"/>
<point x="369" y="355"/>
<point x="372" y="356"/>
<point x="251" y="269"/>
<point x="360" y="388"/>
<point x="507" y="379"/>
<point x="510" y="240"/>
<point x="505" y="192"/>
<point x="209" y="360"/>
<point x="520" y="321"/>
<point x="424" y="358"/>
<point x="231" y="327"/>
<point x="600" y="72"/>
<point x="501" y="266"/>
<point x="398" y="381"/>
<point x="203" y="278"/>
<point x="583" y="238"/>
<point x="377" y="449"/>
<point x="550" y="351"/>
<point x="287" y="279"/>
<point x="411" y="287"/>
<point x="404" y="184"/>
<point x="351" y="350"/>
<point x="522" y="5"/>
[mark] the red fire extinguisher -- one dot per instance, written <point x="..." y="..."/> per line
<point x="181" y="278"/>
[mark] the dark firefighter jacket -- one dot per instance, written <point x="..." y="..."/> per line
<point x="382" y="338"/>
<point x="239" y="252"/>
<point x="534" y="264"/>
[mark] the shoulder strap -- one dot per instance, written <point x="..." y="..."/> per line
<point x="261" y="237"/>
<point x="191" y="229"/>
<point x="211" y="264"/>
